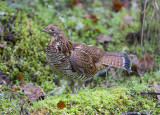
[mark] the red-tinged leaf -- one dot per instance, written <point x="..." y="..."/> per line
<point x="3" y="46"/>
<point x="76" y="2"/>
<point x="20" y="77"/>
<point x="22" y="97"/>
<point x="122" y="27"/>
<point x="15" y="88"/>
<point x="150" y="61"/>
<point x="142" y="64"/>
<point x="73" y="3"/>
<point x="93" y="17"/>
<point x="116" y="5"/>
<point x="61" y="104"/>
<point x="157" y="90"/>
<point x="32" y="92"/>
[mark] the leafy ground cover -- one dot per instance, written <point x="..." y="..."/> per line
<point x="28" y="85"/>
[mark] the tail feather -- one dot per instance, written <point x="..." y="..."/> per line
<point x="120" y="60"/>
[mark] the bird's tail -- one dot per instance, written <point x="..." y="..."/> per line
<point x="119" y="60"/>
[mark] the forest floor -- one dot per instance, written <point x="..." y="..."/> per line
<point x="27" y="83"/>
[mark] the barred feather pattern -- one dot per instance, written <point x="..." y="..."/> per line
<point x="78" y="61"/>
<point x="62" y="67"/>
<point x="119" y="60"/>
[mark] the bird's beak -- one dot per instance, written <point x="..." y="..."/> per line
<point x="43" y="30"/>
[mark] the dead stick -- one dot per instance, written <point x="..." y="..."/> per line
<point x="151" y="93"/>
<point x="144" y="16"/>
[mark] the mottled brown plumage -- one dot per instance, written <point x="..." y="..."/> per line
<point x="76" y="61"/>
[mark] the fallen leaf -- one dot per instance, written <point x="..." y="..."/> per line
<point x="142" y="64"/>
<point x="146" y="62"/>
<point x="74" y="3"/>
<point x="15" y="88"/>
<point x="32" y="92"/>
<point x="150" y="61"/>
<point x="117" y="6"/>
<point x="122" y="27"/>
<point x="93" y="17"/>
<point x="157" y="90"/>
<point x="61" y="104"/>
<point x="20" y="77"/>
<point x="104" y="38"/>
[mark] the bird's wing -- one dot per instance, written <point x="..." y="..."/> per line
<point x="82" y="62"/>
<point x="95" y="52"/>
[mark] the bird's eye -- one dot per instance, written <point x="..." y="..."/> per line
<point x="52" y="30"/>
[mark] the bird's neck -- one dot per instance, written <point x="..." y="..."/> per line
<point x="53" y="39"/>
<point x="61" y="42"/>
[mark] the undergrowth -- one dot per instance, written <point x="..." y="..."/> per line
<point x="25" y="52"/>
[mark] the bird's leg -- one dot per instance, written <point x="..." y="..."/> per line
<point x="103" y="71"/>
<point x="72" y="86"/>
<point x="108" y="68"/>
<point x="79" y="86"/>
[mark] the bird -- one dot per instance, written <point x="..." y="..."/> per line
<point x="77" y="62"/>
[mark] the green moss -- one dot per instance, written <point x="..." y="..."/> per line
<point x="115" y="100"/>
<point x="26" y="54"/>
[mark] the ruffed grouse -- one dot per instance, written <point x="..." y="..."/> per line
<point x="76" y="61"/>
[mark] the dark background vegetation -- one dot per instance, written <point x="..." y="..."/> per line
<point x="28" y="85"/>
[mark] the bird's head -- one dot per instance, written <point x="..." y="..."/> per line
<point x="52" y="30"/>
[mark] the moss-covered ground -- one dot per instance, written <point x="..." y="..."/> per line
<point x="118" y="92"/>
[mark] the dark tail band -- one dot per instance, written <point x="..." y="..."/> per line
<point x="126" y="62"/>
